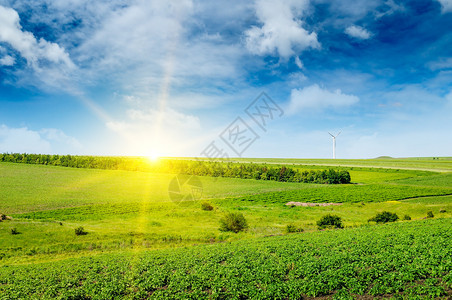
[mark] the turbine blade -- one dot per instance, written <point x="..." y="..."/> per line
<point x="338" y="133"/>
<point x="330" y="134"/>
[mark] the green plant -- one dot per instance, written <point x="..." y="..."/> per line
<point x="14" y="231"/>
<point x="80" y="231"/>
<point x="384" y="217"/>
<point x="430" y="214"/>
<point x="291" y="228"/>
<point x="206" y="206"/>
<point x="330" y="221"/>
<point x="233" y="222"/>
<point x="406" y="217"/>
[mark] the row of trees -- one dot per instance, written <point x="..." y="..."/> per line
<point x="258" y="172"/>
<point x="89" y="162"/>
<point x="191" y="167"/>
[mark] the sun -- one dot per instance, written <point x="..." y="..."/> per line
<point x="153" y="157"/>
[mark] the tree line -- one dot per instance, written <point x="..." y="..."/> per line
<point x="190" y="167"/>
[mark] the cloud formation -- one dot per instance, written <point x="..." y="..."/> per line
<point x="446" y="5"/>
<point x="358" y="32"/>
<point x="7" y="60"/>
<point x="282" y="31"/>
<point x="48" y="141"/>
<point x="26" y="44"/>
<point x="314" y="97"/>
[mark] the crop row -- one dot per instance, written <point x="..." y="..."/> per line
<point x="344" y="194"/>
<point x="407" y="259"/>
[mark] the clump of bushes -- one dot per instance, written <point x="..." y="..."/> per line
<point x="206" y="206"/>
<point x="406" y="217"/>
<point x="80" y="231"/>
<point x="14" y="231"/>
<point x="234" y="222"/>
<point x="384" y="217"/>
<point x="291" y="228"/>
<point x="330" y="221"/>
<point x="430" y="214"/>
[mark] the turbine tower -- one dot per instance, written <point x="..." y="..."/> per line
<point x="334" y="143"/>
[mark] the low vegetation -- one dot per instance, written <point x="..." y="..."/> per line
<point x="384" y="217"/>
<point x="80" y="231"/>
<point x="407" y="260"/>
<point x="406" y="218"/>
<point x="292" y="228"/>
<point x="206" y="206"/>
<point x="330" y="221"/>
<point x="234" y="222"/>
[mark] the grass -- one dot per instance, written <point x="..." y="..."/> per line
<point x="125" y="213"/>
<point x="124" y="209"/>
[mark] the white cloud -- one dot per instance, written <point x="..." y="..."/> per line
<point x="7" y="60"/>
<point x="298" y="62"/>
<point x="26" y="44"/>
<point x="358" y="32"/>
<point x="58" y="136"/>
<point x="45" y="141"/>
<point x="314" y="97"/>
<point x="389" y="8"/>
<point x="441" y="64"/>
<point x="446" y="5"/>
<point x="282" y="31"/>
<point x="448" y="98"/>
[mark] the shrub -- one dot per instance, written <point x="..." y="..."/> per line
<point x="14" y="231"/>
<point x="291" y="228"/>
<point x="330" y="221"/>
<point x="430" y="214"/>
<point x="406" y="217"/>
<point x="385" y="217"/>
<point x="233" y="222"/>
<point x="206" y="206"/>
<point x="442" y="210"/>
<point x="80" y="231"/>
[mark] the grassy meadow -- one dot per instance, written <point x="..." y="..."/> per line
<point x="129" y="214"/>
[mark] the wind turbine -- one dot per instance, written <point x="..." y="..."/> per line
<point x="334" y="143"/>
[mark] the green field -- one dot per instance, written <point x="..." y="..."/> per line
<point x="135" y="232"/>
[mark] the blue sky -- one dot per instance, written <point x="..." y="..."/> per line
<point x="168" y="77"/>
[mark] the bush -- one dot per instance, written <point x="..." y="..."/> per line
<point x="206" y="206"/>
<point x="330" y="221"/>
<point x="80" y="231"/>
<point x="291" y="228"/>
<point x="442" y="210"/>
<point x="385" y="217"/>
<point x="406" y="217"/>
<point x="14" y="231"/>
<point x="430" y="214"/>
<point x="233" y="222"/>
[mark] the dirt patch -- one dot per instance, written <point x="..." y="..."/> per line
<point x="310" y="204"/>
